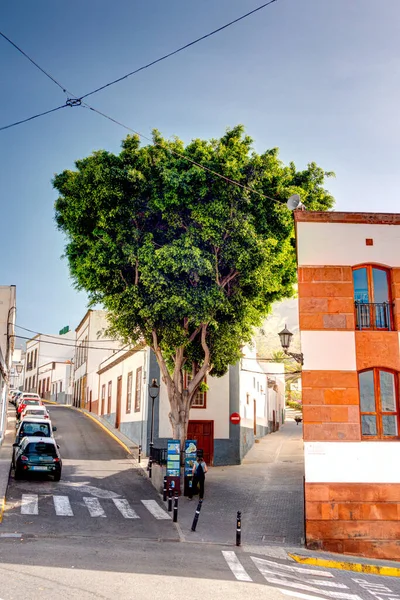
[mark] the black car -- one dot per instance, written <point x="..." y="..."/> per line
<point x="37" y="455"/>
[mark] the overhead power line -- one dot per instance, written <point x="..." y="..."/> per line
<point x="196" y="41"/>
<point x="21" y="337"/>
<point x="34" y="62"/>
<point x="76" y="101"/>
<point x="47" y="112"/>
<point x="57" y="337"/>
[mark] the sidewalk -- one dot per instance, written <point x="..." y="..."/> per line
<point x="5" y="456"/>
<point x="267" y="488"/>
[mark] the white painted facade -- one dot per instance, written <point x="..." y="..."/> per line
<point x="44" y="349"/>
<point x="343" y="244"/>
<point x="7" y="331"/>
<point x="92" y="347"/>
<point x="329" y="350"/>
<point x="352" y="462"/>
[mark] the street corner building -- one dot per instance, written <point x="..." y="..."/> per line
<point x="349" y="311"/>
<point x="7" y="338"/>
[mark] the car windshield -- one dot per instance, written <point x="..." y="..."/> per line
<point x="40" y="449"/>
<point x="32" y="411"/>
<point x="35" y="429"/>
<point x="31" y="401"/>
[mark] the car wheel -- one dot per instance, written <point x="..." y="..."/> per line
<point x="57" y="477"/>
<point x="17" y="474"/>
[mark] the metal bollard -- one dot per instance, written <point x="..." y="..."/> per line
<point x="140" y="453"/>
<point x="170" y="499"/>
<point x="196" y="515"/>
<point x="238" y="528"/>
<point x="175" y="518"/>
<point x="149" y="466"/>
<point x="164" y="497"/>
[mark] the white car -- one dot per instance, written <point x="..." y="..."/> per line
<point x="35" y="411"/>
<point x="27" y="395"/>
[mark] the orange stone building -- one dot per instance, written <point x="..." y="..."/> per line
<point x="349" y="305"/>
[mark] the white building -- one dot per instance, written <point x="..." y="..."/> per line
<point x="7" y="323"/>
<point x="55" y="381"/>
<point x="92" y="347"/>
<point x="257" y="396"/>
<point x="43" y="350"/>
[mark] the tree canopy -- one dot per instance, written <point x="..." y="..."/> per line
<point x="178" y="255"/>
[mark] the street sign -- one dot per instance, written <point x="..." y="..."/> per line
<point x="173" y="458"/>
<point x="235" y="418"/>
<point x="190" y="456"/>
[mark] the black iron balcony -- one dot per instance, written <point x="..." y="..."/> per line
<point x="377" y="316"/>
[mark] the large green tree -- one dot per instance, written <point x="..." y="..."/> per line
<point x="180" y="257"/>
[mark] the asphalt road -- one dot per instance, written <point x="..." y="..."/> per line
<point x="106" y="538"/>
<point x="101" y="493"/>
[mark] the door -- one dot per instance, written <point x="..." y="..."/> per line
<point x="119" y="403"/>
<point x="255" y="417"/>
<point x="203" y="432"/>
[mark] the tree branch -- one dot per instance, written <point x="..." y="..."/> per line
<point x="194" y="334"/>
<point x="228" y="278"/>
<point x="205" y="368"/>
<point x="137" y="272"/>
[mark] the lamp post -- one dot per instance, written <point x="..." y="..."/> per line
<point x="286" y="337"/>
<point x="18" y="368"/>
<point x="154" y="390"/>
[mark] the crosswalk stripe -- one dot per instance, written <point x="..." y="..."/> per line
<point x="309" y="588"/>
<point x="236" y="566"/>
<point x="300" y="595"/>
<point x="156" y="510"/>
<point x="62" y="506"/>
<point x="126" y="511"/>
<point x="264" y="561"/>
<point x="29" y="504"/>
<point x="94" y="507"/>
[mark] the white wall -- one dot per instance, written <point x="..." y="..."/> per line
<point x="217" y="408"/>
<point x="343" y="244"/>
<point x="7" y="301"/>
<point x="329" y="350"/>
<point x="130" y="364"/>
<point x="352" y="462"/>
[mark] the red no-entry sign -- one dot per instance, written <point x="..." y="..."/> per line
<point x="235" y="418"/>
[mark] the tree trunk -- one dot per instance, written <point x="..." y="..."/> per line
<point x="180" y="403"/>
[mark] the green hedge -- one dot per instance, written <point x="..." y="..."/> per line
<point x="294" y="405"/>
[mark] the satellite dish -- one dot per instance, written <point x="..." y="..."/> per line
<point x="294" y="202"/>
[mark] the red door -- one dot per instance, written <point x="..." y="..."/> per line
<point x="203" y="432"/>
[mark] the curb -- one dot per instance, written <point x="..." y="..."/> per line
<point x="343" y="565"/>
<point x="110" y="433"/>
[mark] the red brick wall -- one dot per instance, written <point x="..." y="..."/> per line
<point x="326" y="298"/>
<point x="354" y="518"/>
<point x="330" y="406"/>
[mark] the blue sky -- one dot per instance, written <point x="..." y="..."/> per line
<point x="319" y="79"/>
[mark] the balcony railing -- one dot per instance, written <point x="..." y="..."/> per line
<point x="374" y="316"/>
<point x="160" y="456"/>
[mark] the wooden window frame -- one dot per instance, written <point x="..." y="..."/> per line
<point x="378" y="406"/>
<point x="129" y="383"/>
<point x="138" y="389"/>
<point x="186" y="379"/>
<point x="103" y="398"/>
<point x="371" y="293"/>
<point x="109" y="397"/>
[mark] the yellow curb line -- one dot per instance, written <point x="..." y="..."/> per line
<point x="2" y="507"/>
<point x="347" y="566"/>
<point x="50" y="402"/>
<point x="105" y="429"/>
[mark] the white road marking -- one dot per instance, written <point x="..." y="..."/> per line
<point x="236" y="566"/>
<point x="156" y="510"/>
<point x="94" y="507"/>
<point x="29" y="504"/>
<point x="264" y="561"/>
<point x="62" y="506"/>
<point x="90" y="489"/>
<point x="126" y="511"/>
<point x="299" y="595"/>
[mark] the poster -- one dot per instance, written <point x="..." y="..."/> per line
<point x="173" y="458"/>
<point x="190" y="456"/>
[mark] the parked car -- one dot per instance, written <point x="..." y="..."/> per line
<point x="34" y="454"/>
<point x="35" y="411"/>
<point x="34" y="427"/>
<point x="26" y="395"/>
<point x="11" y="394"/>
<point x="28" y="402"/>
